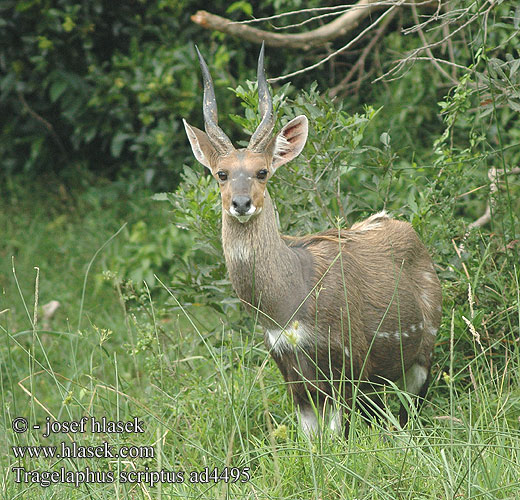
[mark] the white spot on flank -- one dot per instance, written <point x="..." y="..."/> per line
<point x="392" y="335"/>
<point x="428" y="277"/>
<point x="415" y="378"/>
<point x="432" y="331"/>
<point x="425" y="299"/>
<point x="347" y="354"/>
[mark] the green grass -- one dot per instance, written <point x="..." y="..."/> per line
<point x="209" y="396"/>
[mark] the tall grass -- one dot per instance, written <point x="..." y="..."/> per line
<point x="209" y="396"/>
<point x="179" y="354"/>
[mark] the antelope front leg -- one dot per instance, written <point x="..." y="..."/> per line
<point x="308" y="419"/>
<point x="328" y="413"/>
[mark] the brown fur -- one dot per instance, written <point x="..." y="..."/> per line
<point x="361" y="304"/>
<point x="375" y="286"/>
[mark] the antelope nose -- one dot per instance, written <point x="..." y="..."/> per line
<point x="241" y="204"/>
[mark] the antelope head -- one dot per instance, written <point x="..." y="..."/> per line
<point x="242" y="174"/>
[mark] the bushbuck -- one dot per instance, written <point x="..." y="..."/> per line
<point x="342" y="310"/>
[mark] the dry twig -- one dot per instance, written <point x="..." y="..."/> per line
<point x="342" y="49"/>
<point x="493" y="175"/>
<point x="426" y="47"/>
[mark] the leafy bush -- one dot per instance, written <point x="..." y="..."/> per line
<point x="98" y="86"/>
<point x="339" y="179"/>
<point x="322" y="184"/>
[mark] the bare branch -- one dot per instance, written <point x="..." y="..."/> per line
<point x="310" y="20"/>
<point x="43" y="121"/>
<point x="345" y="47"/>
<point x="412" y="56"/>
<point x="293" y="12"/>
<point x="428" y="50"/>
<point x="494" y="178"/>
<point x="316" y="37"/>
<point x="360" y="63"/>
<point x="441" y="61"/>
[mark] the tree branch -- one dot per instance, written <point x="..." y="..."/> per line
<point x="43" y="121"/>
<point x="360" y="63"/>
<point x="345" y="47"/>
<point x="319" y="36"/>
<point x="494" y="177"/>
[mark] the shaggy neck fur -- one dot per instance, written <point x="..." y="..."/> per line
<point x="264" y="271"/>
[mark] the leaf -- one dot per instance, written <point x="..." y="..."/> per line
<point x="117" y="143"/>
<point x="245" y="7"/>
<point x="7" y="84"/>
<point x="160" y="197"/>
<point x="385" y="139"/>
<point x="57" y="89"/>
<point x="514" y="105"/>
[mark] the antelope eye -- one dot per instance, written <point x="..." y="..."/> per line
<point x="261" y="174"/>
<point x="222" y="175"/>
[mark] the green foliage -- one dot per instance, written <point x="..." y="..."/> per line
<point x="307" y="188"/>
<point x="96" y="85"/>
<point x="149" y="248"/>
<point x="180" y="353"/>
<point x="339" y="176"/>
<point x="473" y="158"/>
<point x="201" y="277"/>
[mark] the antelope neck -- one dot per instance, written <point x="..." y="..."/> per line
<point x="263" y="270"/>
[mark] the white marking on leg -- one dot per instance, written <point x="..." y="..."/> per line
<point x="415" y="378"/>
<point x="335" y="423"/>
<point x="308" y="421"/>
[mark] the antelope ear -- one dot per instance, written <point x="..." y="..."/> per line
<point x="200" y="144"/>
<point x="289" y="142"/>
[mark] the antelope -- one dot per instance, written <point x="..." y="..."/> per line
<point x="344" y="305"/>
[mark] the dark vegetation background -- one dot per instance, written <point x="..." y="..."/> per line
<point x="92" y="95"/>
<point x="100" y="87"/>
